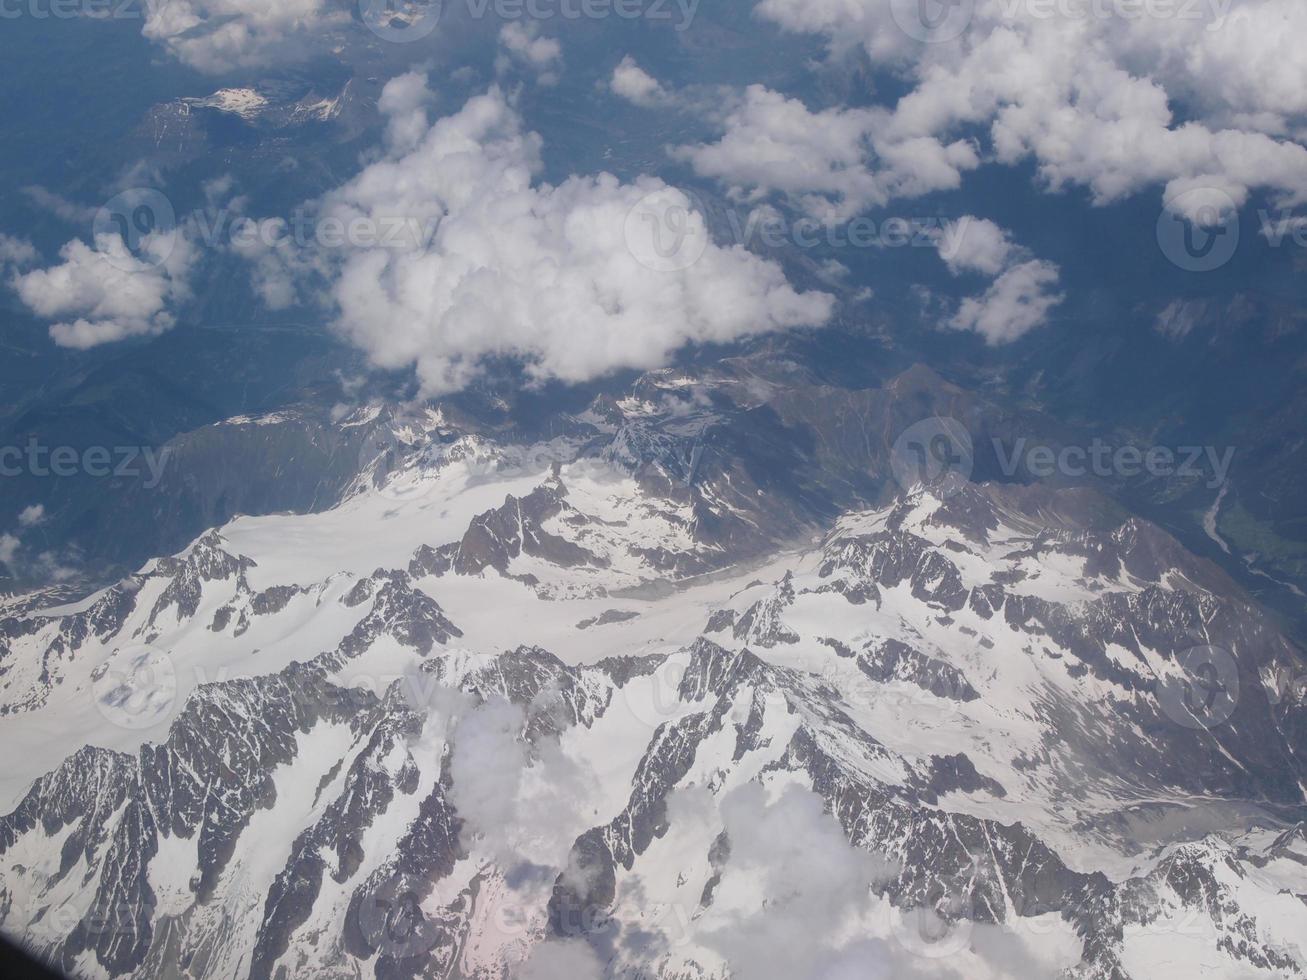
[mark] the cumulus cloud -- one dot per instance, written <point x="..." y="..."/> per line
<point x="1023" y="292"/>
<point x="1092" y="100"/>
<point x="31" y="516"/>
<point x="106" y="293"/>
<point x="523" y="45"/>
<point x="574" y="280"/>
<point x="834" y="163"/>
<point x="974" y="244"/>
<point x="1017" y="302"/>
<point x="404" y="102"/>
<point x="562" y="960"/>
<point x="847" y="23"/>
<point x="47" y="566"/>
<point x="1242" y="60"/>
<point x="16" y="251"/>
<point x="519" y="802"/>
<point x="277" y="262"/>
<point x="815" y="885"/>
<point x="1213" y="91"/>
<point x="59" y="205"/>
<point x="221" y="35"/>
<point x="632" y="83"/>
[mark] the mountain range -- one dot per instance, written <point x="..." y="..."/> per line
<point x="686" y="682"/>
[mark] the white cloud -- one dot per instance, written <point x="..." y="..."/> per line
<point x="404" y="102"/>
<point x="772" y="143"/>
<point x="973" y="244"/>
<point x="519" y="268"/>
<point x="834" y="163"/>
<point x="816" y="888"/>
<point x="16" y="251"/>
<point x="523" y="44"/>
<point x="518" y="802"/>
<point x="1212" y="90"/>
<point x="31" y="516"/>
<point x="9" y="546"/>
<point x="635" y="85"/>
<point x="220" y="35"/>
<point x="107" y="293"/>
<point x="218" y="192"/>
<point x="1242" y="59"/>
<point x="833" y="271"/>
<point x="846" y="22"/>
<point x="1092" y="99"/>
<point x="59" y="205"/>
<point x="487" y="764"/>
<point x="562" y="960"/>
<point x="50" y="567"/>
<point x="1017" y="302"/>
<point x="276" y="262"/>
<point x="1022" y="294"/>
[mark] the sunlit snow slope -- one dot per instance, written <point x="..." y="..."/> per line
<point x="591" y="707"/>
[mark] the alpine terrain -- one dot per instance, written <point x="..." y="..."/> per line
<point x="715" y="678"/>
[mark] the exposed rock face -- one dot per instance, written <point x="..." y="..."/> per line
<point x="528" y="717"/>
<point x="896" y="660"/>
<point x="407" y="614"/>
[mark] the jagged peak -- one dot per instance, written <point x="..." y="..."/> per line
<point x="207" y="556"/>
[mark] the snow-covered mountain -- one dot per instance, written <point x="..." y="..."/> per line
<point x="682" y="691"/>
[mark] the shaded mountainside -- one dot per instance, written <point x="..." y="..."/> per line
<point x="498" y="701"/>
